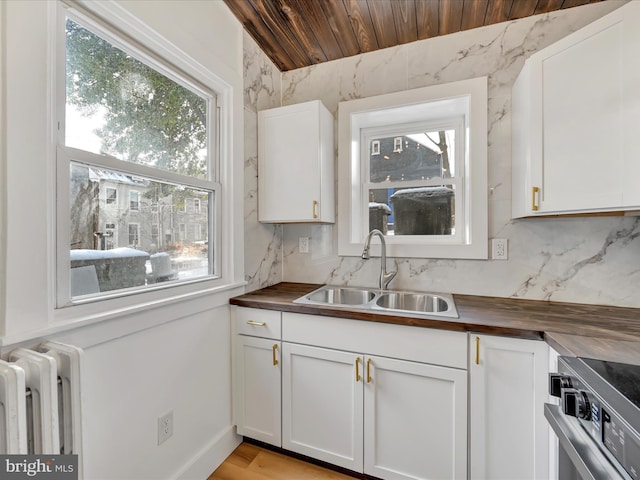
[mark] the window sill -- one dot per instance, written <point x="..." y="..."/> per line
<point x="113" y="317"/>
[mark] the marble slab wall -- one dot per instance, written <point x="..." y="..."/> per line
<point x="263" y="242"/>
<point x="584" y="260"/>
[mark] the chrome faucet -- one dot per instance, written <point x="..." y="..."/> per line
<point x="385" y="278"/>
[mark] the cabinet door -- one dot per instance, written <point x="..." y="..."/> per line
<point x="415" y="420"/>
<point x="576" y="107"/>
<point x="631" y="101"/>
<point x="509" y="434"/>
<point x="295" y="164"/>
<point x="258" y="413"/>
<point x="322" y="404"/>
<point x="583" y="125"/>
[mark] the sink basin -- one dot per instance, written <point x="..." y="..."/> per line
<point x="413" y="302"/>
<point x="341" y="296"/>
<point x="383" y="301"/>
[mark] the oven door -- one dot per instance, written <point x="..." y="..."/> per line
<point x="579" y="458"/>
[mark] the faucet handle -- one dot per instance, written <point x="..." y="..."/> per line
<point x="385" y="279"/>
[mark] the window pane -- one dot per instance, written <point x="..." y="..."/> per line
<point x="119" y="106"/>
<point x="416" y="156"/>
<point x="413" y="211"/>
<point x="112" y="196"/>
<point x="134" y="201"/>
<point x="127" y="247"/>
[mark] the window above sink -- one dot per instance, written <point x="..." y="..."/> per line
<point x="413" y="164"/>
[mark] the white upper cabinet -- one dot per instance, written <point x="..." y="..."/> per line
<point x="576" y="111"/>
<point x="296" y="164"/>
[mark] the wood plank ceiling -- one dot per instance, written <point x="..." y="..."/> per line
<point x="300" y="33"/>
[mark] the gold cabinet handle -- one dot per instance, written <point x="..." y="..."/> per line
<point x="368" y="370"/>
<point x="275" y="357"/>
<point x="258" y="324"/>
<point x="477" y="350"/>
<point x="315" y="209"/>
<point x="358" y="369"/>
<point x="534" y="192"/>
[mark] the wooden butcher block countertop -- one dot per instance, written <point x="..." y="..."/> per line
<point x="595" y="331"/>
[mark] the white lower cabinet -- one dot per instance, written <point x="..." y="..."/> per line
<point x="390" y="418"/>
<point x="508" y="388"/>
<point x="257" y="374"/>
<point x="392" y="401"/>
<point x="386" y="417"/>
<point x="258" y="413"/>
<point x="322" y="404"/>
<point x="415" y="420"/>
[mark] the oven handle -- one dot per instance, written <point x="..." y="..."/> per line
<point x="590" y="462"/>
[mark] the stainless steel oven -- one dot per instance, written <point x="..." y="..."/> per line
<point x="598" y="420"/>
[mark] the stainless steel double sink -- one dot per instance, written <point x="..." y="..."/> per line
<point x="383" y="301"/>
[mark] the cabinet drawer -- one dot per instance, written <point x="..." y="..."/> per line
<point x="257" y="322"/>
<point x="426" y="345"/>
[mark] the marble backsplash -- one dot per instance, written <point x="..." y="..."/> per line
<point x="263" y="242"/>
<point x="585" y="260"/>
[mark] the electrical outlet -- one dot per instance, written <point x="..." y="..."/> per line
<point x="303" y="244"/>
<point x="499" y="249"/>
<point x="165" y="427"/>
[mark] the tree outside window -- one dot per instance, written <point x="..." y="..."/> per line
<point x="139" y="129"/>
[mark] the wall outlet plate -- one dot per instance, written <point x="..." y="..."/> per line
<point x="303" y="244"/>
<point x="499" y="249"/>
<point x="165" y="427"/>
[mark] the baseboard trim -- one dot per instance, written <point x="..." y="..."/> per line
<point x="210" y="457"/>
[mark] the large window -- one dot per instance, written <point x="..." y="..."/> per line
<point x="413" y="165"/>
<point x="137" y="129"/>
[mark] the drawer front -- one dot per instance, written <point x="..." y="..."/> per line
<point x="426" y="345"/>
<point x="258" y="322"/>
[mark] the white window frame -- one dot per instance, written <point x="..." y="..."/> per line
<point x="375" y="147"/>
<point x="111" y="236"/>
<point x="114" y="201"/>
<point x="133" y="193"/>
<point x="466" y="99"/>
<point x="397" y="144"/>
<point x="221" y="169"/>
<point x="137" y="235"/>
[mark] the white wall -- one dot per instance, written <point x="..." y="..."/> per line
<point x="131" y="379"/>
<point x="139" y="363"/>
<point x="584" y="260"/>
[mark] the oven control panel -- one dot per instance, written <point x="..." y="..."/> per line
<point x="621" y="442"/>
<point x="612" y="434"/>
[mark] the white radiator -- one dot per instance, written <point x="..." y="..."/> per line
<point x="40" y="401"/>
<point x="13" y="409"/>
<point x="68" y="361"/>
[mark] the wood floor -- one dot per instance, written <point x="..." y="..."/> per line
<point x="250" y="462"/>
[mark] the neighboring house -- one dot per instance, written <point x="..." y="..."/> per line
<point x="396" y="158"/>
<point x="126" y="211"/>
